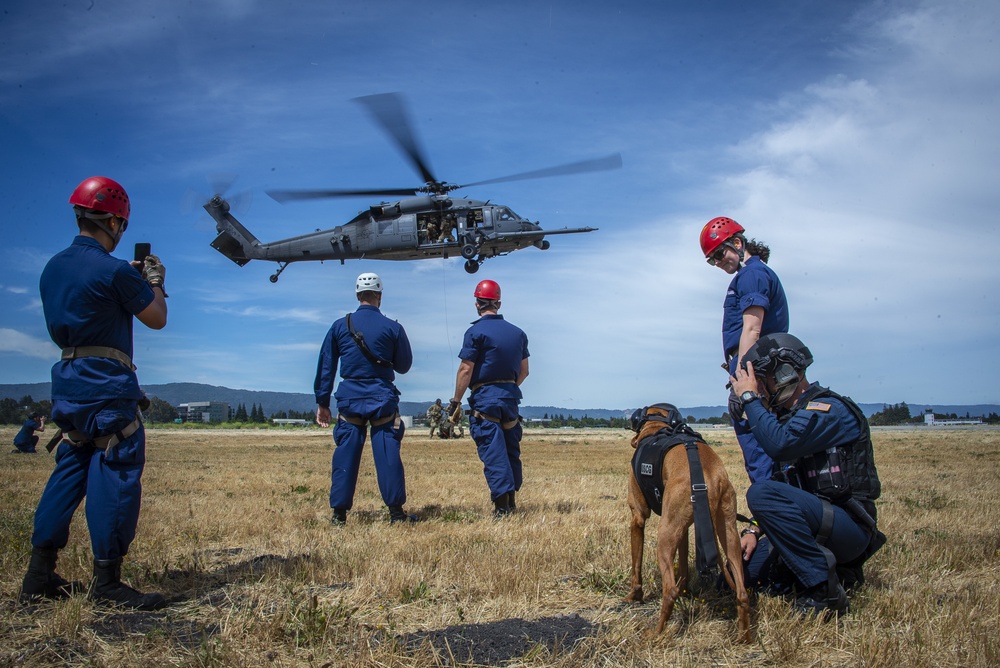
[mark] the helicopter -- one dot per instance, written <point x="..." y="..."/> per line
<point x="427" y="223"/>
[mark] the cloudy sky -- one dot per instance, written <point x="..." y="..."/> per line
<point x="858" y="139"/>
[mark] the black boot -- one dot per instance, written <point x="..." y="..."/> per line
<point x="42" y="581"/>
<point x="339" y="517"/>
<point x="397" y="514"/>
<point x="821" y="600"/>
<point x="501" y="506"/>
<point x="108" y="588"/>
<point x="510" y="501"/>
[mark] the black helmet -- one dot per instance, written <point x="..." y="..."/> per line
<point x="641" y="415"/>
<point x="773" y="350"/>
<point x="783" y="357"/>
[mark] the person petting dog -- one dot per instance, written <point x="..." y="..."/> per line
<point x="494" y="364"/>
<point x="370" y="348"/>
<point x="818" y="509"/>
<point x="755" y="306"/>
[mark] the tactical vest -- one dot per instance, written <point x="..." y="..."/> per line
<point x="841" y="472"/>
<point x="647" y="462"/>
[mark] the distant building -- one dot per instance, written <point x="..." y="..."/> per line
<point x="204" y="411"/>
<point x="930" y="421"/>
<point x="292" y="421"/>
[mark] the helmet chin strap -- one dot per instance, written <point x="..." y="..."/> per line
<point x="100" y="222"/>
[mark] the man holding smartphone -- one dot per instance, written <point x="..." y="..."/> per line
<point x="89" y="299"/>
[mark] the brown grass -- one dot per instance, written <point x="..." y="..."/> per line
<point x="235" y="529"/>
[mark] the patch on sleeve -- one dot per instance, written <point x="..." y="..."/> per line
<point x="818" y="406"/>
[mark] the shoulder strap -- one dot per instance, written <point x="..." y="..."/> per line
<point x="359" y="339"/>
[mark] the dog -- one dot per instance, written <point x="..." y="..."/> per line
<point x="678" y="516"/>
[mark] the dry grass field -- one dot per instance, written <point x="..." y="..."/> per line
<point x="235" y="529"/>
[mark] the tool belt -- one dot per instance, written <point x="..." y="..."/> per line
<point x="491" y="382"/>
<point x="79" y="440"/>
<point x="503" y="425"/>
<point x="361" y="422"/>
<point x="76" y="352"/>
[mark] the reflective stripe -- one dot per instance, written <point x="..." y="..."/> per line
<point x="106" y="352"/>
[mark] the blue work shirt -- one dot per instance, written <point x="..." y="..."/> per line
<point x="497" y="348"/>
<point x="89" y="298"/>
<point x="820" y="424"/>
<point x="27" y="431"/>
<point x="361" y="378"/>
<point x="755" y="284"/>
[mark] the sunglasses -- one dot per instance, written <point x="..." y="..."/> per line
<point x="716" y="257"/>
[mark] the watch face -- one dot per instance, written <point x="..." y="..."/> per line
<point x="748" y="396"/>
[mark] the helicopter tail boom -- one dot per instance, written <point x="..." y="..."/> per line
<point x="234" y="241"/>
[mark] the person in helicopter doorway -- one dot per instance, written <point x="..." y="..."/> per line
<point x="370" y="349"/>
<point x="89" y="299"/>
<point x="494" y="364"/>
<point x="818" y="509"/>
<point x="25" y="442"/>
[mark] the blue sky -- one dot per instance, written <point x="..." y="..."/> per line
<point x="858" y="139"/>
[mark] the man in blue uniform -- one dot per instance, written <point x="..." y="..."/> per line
<point x="755" y="306"/>
<point x="494" y="364"/>
<point x="25" y="442"/>
<point x="818" y="512"/>
<point x="89" y="299"/>
<point x="370" y="348"/>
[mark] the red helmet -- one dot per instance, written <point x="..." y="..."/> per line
<point x="716" y="232"/>
<point x="488" y="290"/>
<point x="101" y="194"/>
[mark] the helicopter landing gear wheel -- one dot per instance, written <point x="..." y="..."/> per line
<point x="468" y="251"/>
<point x="281" y="268"/>
<point x="471" y="266"/>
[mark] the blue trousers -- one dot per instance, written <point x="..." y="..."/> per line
<point x="112" y="485"/>
<point x="350" y="443"/>
<point x="757" y="463"/>
<point x="27" y="446"/>
<point x="499" y="449"/>
<point x="791" y="518"/>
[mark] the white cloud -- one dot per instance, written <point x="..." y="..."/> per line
<point x="13" y="341"/>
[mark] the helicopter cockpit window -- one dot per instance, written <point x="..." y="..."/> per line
<point x="503" y="213"/>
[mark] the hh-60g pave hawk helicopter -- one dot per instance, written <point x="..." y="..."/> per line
<point x="429" y="223"/>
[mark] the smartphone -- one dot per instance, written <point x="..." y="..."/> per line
<point x="141" y="251"/>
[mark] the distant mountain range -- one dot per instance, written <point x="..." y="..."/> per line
<point x="272" y="402"/>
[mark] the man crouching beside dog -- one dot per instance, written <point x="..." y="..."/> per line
<point x="818" y="510"/>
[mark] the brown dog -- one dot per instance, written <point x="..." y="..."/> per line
<point x="677" y="517"/>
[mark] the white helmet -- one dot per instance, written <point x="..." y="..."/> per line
<point x="368" y="282"/>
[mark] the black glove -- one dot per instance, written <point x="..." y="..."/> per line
<point x="452" y="407"/>
<point x="735" y="406"/>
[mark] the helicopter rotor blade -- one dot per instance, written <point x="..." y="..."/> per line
<point x="389" y="111"/>
<point x="609" y="162"/>
<point x="293" y="195"/>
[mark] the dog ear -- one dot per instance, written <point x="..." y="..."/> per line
<point x="635" y="441"/>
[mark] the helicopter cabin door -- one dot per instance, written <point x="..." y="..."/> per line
<point x="400" y="232"/>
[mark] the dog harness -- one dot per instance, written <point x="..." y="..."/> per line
<point x="647" y="465"/>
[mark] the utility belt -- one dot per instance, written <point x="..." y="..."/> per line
<point x="503" y="425"/>
<point x="491" y="382"/>
<point x="79" y="440"/>
<point x="361" y="422"/>
<point x="107" y="352"/>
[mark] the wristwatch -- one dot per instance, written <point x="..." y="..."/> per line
<point x="749" y="396"/>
